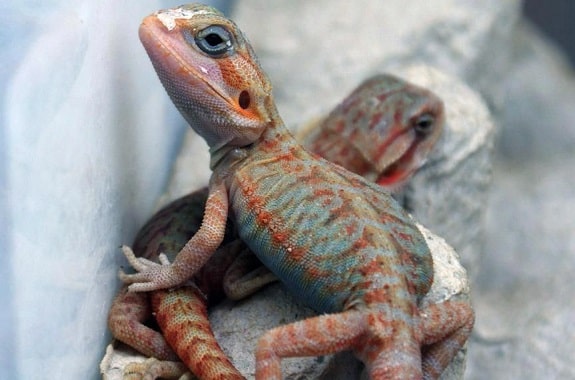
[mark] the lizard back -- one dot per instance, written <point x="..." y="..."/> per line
<point x="330" y="235"/>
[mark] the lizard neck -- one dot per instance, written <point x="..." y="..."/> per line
<point x="275" y="139"/>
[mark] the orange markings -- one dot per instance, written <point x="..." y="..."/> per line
<point x="360" y="243"/>
<point x="297" y="254"/>
<point x="323" y="192"/>
<point x="350" y="229"/>
<point x="375" y="120"/>
<point x="263" y="217"/>
<point x="377" y="297"/>
<point x="404" y="236"/>
<point x="182" y="71"/>
<point x="269" y="144"/>
<point x="280" y="237"/>
<point x="339" y="126"/>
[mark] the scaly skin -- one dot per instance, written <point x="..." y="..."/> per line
<point x="183" y="311"/>
<point x="337" y="241"/>
<point x="383" y="131"/>
<point x="407" y="116"/>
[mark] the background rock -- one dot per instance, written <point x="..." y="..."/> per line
<point x="523" y="291"/>
<point x="316" y="52"/>
<point x="449" y="192"/>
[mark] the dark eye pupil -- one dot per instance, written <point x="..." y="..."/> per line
<point x="215" y="41"/>
<point x="424" y="124"/>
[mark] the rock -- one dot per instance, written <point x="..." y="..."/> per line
<point x="538" y="112"/>
<point x="316" y="52"/>
<point x="524" y="292"/>
<point x="448" y="194"/>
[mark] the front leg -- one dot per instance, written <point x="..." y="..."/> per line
<point x="154" y="276"/>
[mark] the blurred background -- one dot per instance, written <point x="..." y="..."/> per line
<point x="555" y="19"/>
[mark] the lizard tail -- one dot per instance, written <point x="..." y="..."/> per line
<point x="126" y="320"/>
<point x="182" y="316"/>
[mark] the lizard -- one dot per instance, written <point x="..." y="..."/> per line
<point x="383" y="131"/>
<point x="368" y="266"/>
<point x="400" y="120"/>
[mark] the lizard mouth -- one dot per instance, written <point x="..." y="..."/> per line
<point x="397" y="159"/>
<point x="400" y="169"/>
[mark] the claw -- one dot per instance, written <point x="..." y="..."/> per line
<point x="149" y="275"/>
<point x="139" y="264"/>
<point x="163" y="259"/>
<point x="143" y="268"/>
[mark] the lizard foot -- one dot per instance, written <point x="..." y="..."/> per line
<point x="151" y="275"/>
<point x="153" y="368"/>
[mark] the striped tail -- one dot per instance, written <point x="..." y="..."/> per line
<point x="182" y="316"/>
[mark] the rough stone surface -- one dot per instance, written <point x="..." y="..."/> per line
<point x="317" y="51"/>
<point x="524" y="293"/>
<point x="538" y="114"/>
<point x="449" y="193"/>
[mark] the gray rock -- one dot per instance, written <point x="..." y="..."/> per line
<point x="538" y="114"/>
<point x="449" y="193"/>
<point x="318" y="51"/>
<point x="524" y="293"/>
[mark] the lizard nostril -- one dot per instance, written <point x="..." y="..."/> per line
<point x="244" y="99"/>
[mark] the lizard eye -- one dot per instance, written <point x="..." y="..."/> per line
<point x="215" y="40"/>
<point x="423" y="125"/>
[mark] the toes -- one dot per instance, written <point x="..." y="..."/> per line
<point x="163" y="259"/>
<point x="143" y="287"/>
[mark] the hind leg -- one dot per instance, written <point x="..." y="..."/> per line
<point x="387" y="348"/>
<point x="315" y="336"/>
<point x="446" y="327"/>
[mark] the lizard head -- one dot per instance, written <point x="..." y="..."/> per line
<point x="390" y="124"/>
<point x="210" y="72"/>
